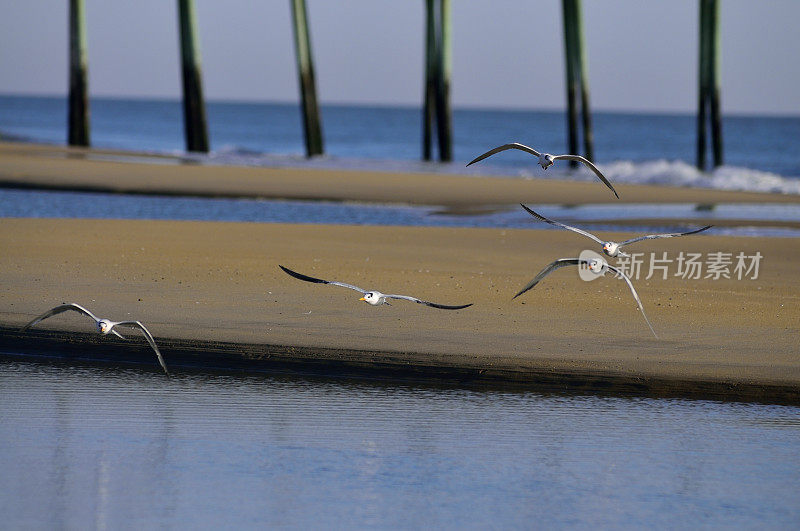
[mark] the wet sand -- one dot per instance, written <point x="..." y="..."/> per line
<point x="213" y="296"/>
<point x="61" y="168"/>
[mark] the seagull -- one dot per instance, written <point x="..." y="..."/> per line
<point x="546" y="160"/>
<point x="104" y="326"/>
<point x="613" y="249"/>
<point x="373" y="297"/>
<point x="595" y="265"/>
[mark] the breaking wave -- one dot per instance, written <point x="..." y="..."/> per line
<point x="680" y="173"/>
<point x="660" y="172"/>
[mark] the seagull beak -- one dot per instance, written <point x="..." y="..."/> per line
<point x="362" y="299"/>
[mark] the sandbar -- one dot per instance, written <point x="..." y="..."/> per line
<point x="213" y="296"/>
<point x="53" y="167"/>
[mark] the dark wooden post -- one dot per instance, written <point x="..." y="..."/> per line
<point x="194" y="111"/>
<point x="577" y="80"/>
<point x="444" y="59"/>
<point x="580" y="70"/>
<point x="709" y="83"/>
<point x="308" y="88"/>
<point x="714" y="81"/>
<point x="702" y="86"/>
<point x="78" y="114"/>
<point x="571" y="77"/>
<point x="429" y="92"/>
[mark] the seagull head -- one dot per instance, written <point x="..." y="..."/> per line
<point x="104" y="326"/>
<point x="596" y="265"/>
<point x="545" y="160"/>
<point x="611" y="248"/>
<point x="372" y="297"/>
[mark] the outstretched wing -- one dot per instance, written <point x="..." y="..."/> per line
<point x="624" y="277"/>
<point x="561" y="262"/>
<point x="149" y="337"/>
<point x="513" y="145"/>
<point x="563" y="226"/>
<point x="591" y="167"/>
<point x="57" y="310"/>
<point x="427" y="303"/>
<point x="670" y="235"/>
<point x="307" y="278"/>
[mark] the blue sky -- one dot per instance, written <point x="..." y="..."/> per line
<point x="642" y="56"/>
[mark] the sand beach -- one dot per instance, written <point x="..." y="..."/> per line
<point x="213" y="296"/>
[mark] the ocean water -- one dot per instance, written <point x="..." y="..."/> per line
<point x="99" y="448"/>
<point x="761" y="153"/>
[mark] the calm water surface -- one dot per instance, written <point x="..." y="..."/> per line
<point x="86" y="447"/>
<point x="47" y="204"/>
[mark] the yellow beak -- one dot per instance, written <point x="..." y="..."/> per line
<point x="362" y="299"/>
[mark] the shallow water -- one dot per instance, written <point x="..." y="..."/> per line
<point x="117" y="448"/>
<point x="29" y="203"/>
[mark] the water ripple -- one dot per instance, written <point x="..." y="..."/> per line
<point x="212" y="450"/>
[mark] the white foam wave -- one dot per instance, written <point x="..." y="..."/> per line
<point x="661" y="172"/>
<point x="680" y="173"/>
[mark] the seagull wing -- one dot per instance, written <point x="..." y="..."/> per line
<point x="513" y="145"/>
<point x="427" y="303"/>
<point x="563" y="226"/>
<point x="624" y="277"/>
<point x="591" y="167"/>
<point x="670" y="235"/>
<point x="306" y="278"/>
<point x="57" y="310"/>
<point x="149" y="337"/>
<point x="561" y="262"/>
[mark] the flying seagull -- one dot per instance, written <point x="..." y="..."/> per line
<point x="104" y="326"/>
<point x="613" y="249"/>
<point x="373" y="297"/>
<point x="595" y="265"/>
<point x="546" y="160"/>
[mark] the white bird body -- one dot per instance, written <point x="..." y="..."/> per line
<point x="104" y="326"/>
<point x="373" y="297"/>
<point x="612" y="249"/>
<point x="546" y="160"/>
<point x="595" y="265"/>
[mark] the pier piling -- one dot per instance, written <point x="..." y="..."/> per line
<point x="580" y="57"/>
<point x="444" y="67"/>
<point x="577" y="81"/>
<point x="571" y="81"/>
<point x="709" y="83"/>
<point x="702" y="71"/>
<point x="429" y="90"/>
<point x="438" y="61"/>
<point x="194" y="112"/>
<point x="78" y="113"/>
<point x="308" y="89"/>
